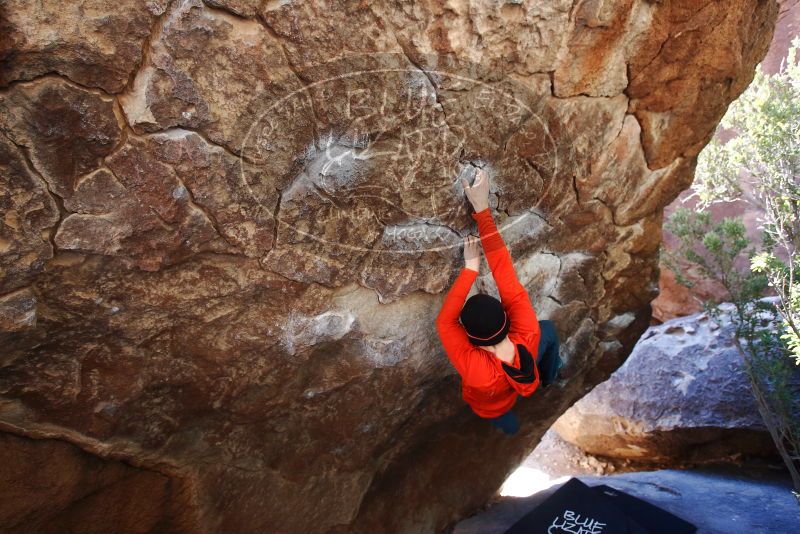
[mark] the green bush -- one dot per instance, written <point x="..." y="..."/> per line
<point x="765" y="152"/>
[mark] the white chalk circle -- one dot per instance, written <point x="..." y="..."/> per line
<point x="374" y="153"/>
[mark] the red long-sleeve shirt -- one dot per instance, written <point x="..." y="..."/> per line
<point x="485" y="386"/>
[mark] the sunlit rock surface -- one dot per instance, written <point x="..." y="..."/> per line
<point x="681" y="397"/>
<point x="674" y="299"/>
<point x="228" y="226"/>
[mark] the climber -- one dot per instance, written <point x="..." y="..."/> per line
<point x="499" y="347"/>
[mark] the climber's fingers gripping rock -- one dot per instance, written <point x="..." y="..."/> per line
<point x="472" y="252"/>
<point x="478" y="192"/>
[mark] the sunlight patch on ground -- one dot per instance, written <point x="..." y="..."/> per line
<point x="526" y="481"/>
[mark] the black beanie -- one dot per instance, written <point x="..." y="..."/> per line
<point x="485" y="320"/>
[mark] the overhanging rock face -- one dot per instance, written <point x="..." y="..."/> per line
<point x="227" y="227"/>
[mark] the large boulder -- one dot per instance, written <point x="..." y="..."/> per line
<point x="682" y="396"/>
<point x="228" y="227"/>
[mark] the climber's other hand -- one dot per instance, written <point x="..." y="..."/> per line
<point x="478" y="192"/>
<point x="472" y="252"/>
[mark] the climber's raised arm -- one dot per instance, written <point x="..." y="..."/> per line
<point x="473" y="366"/>
<point x="513" y="294"/>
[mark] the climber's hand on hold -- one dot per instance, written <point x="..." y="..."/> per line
<point x="472" y="252"/>
<point x="478" y="192"/>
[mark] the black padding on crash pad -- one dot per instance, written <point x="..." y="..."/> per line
<point x="575" y="508"/>
<point x="656" y="520"/>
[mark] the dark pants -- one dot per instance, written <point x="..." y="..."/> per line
<point x="548" y="359"/>
<point x="548" y="362"/>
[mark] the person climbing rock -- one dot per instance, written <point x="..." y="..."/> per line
<point x="499" y="347"/>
